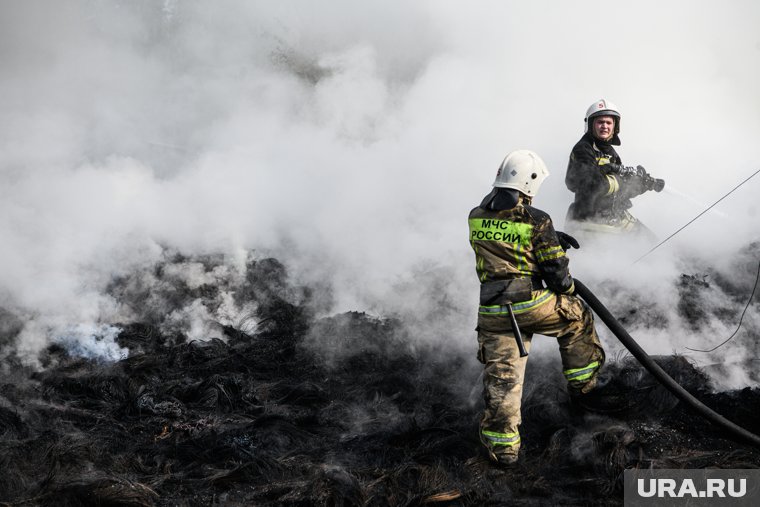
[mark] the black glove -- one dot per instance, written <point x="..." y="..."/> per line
<point x="627" y="171"/>
<point x="655" y="184"/>
<point x="639" y="177"/>
<point x="566" y="241"/>
<point x="650" y="183"/>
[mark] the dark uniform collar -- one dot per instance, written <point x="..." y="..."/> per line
<point x="503" y="198"/>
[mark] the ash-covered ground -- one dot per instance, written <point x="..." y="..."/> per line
<point x="286" y="407"/>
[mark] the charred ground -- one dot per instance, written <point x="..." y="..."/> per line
<point x="262" y="415"/>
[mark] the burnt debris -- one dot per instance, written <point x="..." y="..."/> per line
<point x="284" y="407"/>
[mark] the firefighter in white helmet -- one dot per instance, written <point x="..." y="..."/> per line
<point x="603" y="186"/>
<point x="526" y="288"/>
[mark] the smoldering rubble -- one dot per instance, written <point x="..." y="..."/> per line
<point x="284" y="405"/>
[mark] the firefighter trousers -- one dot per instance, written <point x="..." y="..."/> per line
<point x="568" y="319"/>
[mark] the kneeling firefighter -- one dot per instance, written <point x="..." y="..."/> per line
<point x="517" y="251"/>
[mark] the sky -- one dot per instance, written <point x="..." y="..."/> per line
<point x="351" y="139"/>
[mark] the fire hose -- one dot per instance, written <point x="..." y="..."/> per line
<point x="657" y="372"/>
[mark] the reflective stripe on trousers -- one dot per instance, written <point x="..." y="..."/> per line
<point x="518" y="308"/>
<point x="581" y="374"/>
<point x="506" y="439"/>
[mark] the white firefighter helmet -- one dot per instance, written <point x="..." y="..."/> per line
<point x="522" y="170"/>
<point x="602" y="107"/>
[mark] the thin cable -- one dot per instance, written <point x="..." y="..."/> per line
<point x="740" y="318"/>
<point x="696" y="217"/>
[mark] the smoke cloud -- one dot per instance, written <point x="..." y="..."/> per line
<point x="350" y="140"/>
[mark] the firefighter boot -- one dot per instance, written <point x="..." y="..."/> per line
<point x="604" y="397"/>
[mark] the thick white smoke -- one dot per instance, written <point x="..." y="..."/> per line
<point x="351" y="139"/>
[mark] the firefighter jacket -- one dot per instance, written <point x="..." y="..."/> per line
<point x="600" y="195"/>
<point x="519" y="242"/>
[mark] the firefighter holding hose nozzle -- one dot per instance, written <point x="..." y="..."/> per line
<point x="603" y="186"/>
<point x="526" y="289"/>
